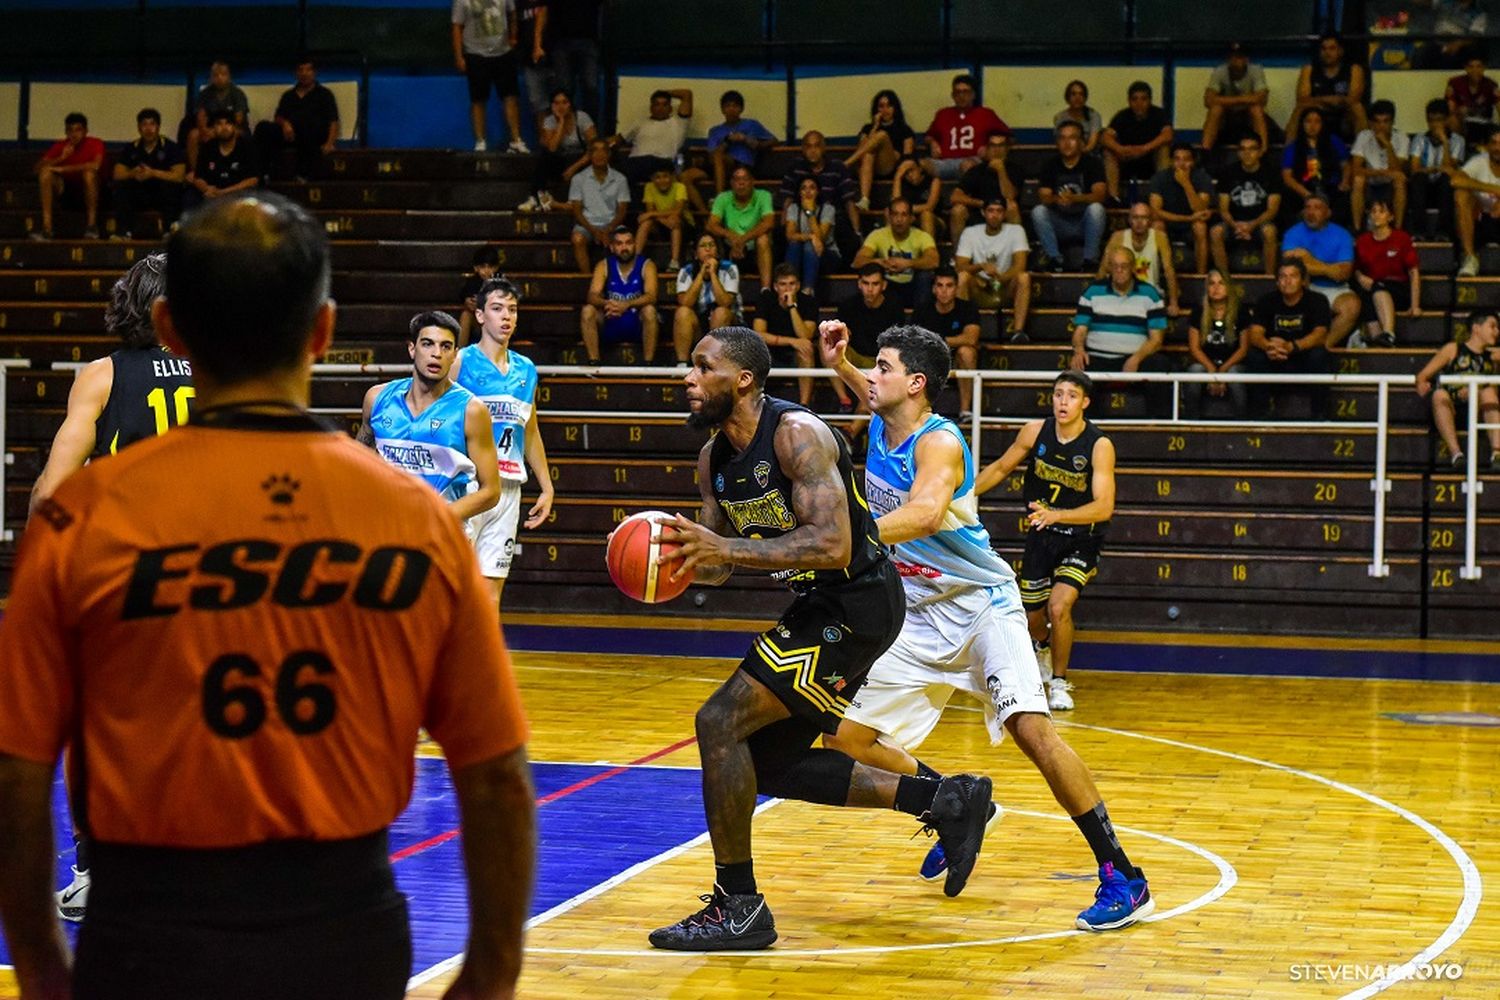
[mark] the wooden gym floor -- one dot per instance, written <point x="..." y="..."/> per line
<point x="1304" y="836"/>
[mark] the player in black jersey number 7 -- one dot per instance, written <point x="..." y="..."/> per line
<point x="779" y="493"/>
<point x="1070" y="495"/>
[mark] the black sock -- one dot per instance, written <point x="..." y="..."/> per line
<point x="923" y="771"/>
<point x="914" y="795"/>
<point x="81" y="852"/>
<point x="1100" y="833"/>
<point x="737" y="879"/>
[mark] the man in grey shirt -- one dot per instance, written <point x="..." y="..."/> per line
<point x="598" y="199"/>
<point x="1236" y="100"/>
<point x="484" y="40"/>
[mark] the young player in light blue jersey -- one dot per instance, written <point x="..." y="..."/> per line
<point x="505" y="382"/>
<point x="965" y="628"/>
<point x="430" y="427"/>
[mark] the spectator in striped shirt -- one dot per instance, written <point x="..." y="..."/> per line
<point x="1120" y="327"/>
<point x="1435" y="155"/>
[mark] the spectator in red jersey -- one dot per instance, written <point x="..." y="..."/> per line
<point x="1471" y="101"/>
<point x="1386" y="277"/>
<point x="957" y="134"/>
<point x="70" y="168"/>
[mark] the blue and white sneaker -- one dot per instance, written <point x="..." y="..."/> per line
<point x="1118" y="902"/>
<point x="935" y="865"/>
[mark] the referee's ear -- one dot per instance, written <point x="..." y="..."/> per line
<point x="166" y="330"/>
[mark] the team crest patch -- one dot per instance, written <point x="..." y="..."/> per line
<point x="719" y="482"/>
<point x="436" y="424"/>
<point x="762" y="474"/>
<point x="1079" y="462"/>
<point x="1041" y="449"/>
<point x="831" y="634"/>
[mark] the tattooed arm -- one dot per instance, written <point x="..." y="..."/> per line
<point x="809" y="455"/>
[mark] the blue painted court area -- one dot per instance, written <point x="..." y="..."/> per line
<point x="1178" y="656"/>
<point x="594" y="820"/>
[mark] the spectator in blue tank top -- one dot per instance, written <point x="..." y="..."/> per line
<point x="621" y="306"/>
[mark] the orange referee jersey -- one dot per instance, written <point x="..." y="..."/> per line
<point x="240" y="629"/>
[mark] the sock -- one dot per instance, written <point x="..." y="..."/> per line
<point x="914" y="795"/>
<point x="737" y="879"/>
<point x="1100" y="833"/>
<point x="81" y="852"/>
<point x="923" y="771"/>
<point x="1040" y="644"/>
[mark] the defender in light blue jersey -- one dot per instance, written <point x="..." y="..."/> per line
<point x="430" y="427"/>
<point x="505" y="383"/>
<point x="965" y="629"/>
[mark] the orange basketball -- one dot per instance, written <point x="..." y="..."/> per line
<point x="634" y="547"/>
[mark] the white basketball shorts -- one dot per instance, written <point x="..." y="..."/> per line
<point x="493" y="532"/>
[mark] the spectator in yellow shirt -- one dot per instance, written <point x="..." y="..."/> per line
<point x="908" y="255"/>
<point x="665" y="200"/>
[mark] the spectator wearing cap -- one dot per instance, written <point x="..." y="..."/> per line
<point x="990" y="266"/>
<point x="225" y="166"/>
<point x="1071" y="195"/>
<point x="1377" y="164"/>
<point x="1325" y="250"/>
<point x="598" y="198"/>
<point x="1236" y="100"/>
<point x="958" y="132"/>
<point x="149" y="175"/>
<point x="736" y="140"/>
<point x="1137" y="141"/>
<point x="1181" y="199"/>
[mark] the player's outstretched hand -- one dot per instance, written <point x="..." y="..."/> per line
<point x="833" y="342"/>
<point x="1041" y="515"/>
<point x="701" y="546"/>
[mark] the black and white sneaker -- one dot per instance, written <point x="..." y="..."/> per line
<point x="959" y="813"/>
<point x="73" y="899"/>
<point x="727" y="923"/>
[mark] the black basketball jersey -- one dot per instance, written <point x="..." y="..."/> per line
<point x="1467" y="362"/>
<point x="152" y="391"/>
<point x="1062" y="475"/>
<point x="756" y="497"/>
<point x="1320" y="84"/>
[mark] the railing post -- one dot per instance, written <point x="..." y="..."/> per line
<point x="1380" y="484"/>
<point x="976" y="400"/>
<point x="1472" y="487"/>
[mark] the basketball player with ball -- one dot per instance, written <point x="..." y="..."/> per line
<point x="779" y="494"/>
<point x="965" y="627"/>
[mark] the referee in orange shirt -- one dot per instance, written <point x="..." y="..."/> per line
<point x="239" y="649"/>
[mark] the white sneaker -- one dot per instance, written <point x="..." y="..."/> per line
<point x="72" y="900"/>
<point x="480" y="146"/>
<point x="1470" y="267"/>
<point x="1357" y="340"/>
<point x="518" y="146"/>
<point x="863" y="204"/>
<point x="529" y="205"/>
<point x="1058" y="698"/>
<point x="1044" y="661"/>
<point x="546" y="199"/>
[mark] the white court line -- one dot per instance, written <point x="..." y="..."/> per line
<point x="447" y="965"/>
<point x="1473" y="884"/>
<point x="1228" y="877"/>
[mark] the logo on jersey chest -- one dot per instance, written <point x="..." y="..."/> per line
<point x="412" y="458"/>
<point x="1048" y="473"/>
<point x="1079" y="462"/>
<point x="762" y="474"/>
<point x="435" y="424"/>
<point x="767" y="511"/>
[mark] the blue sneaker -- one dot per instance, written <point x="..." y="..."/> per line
<point x="935" y="865"/>
<point x="1118" y="902"/>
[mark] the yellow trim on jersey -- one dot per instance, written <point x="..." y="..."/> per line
<point x="805" y="663"/>
<point x="1070" y="573"/>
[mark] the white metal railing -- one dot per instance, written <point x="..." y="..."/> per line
<point x="1380" y="483"/>
<point x="9" y="459"/>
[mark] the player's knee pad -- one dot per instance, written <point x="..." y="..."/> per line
<point x="820" y="776"/>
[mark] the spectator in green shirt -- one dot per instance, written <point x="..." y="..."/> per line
<point x="742" y="217"/>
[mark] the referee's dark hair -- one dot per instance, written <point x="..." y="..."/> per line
<point x="434" y="317"/>
<point x="745" y="348"/>
<point x="922" y="352"/>
<point x="246" y="278"/>
<point x="1078" y="378"/>
<point x="128" y="314"/>
<point x="498" y="283"/>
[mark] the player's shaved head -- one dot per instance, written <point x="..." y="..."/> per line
<point x="245" y="280"/>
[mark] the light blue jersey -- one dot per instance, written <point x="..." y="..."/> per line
<point x="958" y="556"/>
<point x="509" y="396"/>
<point x="431" y="445"/>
